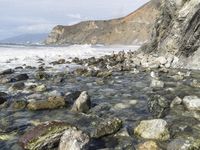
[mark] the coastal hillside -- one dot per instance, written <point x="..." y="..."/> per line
<point x="132" y="29"/>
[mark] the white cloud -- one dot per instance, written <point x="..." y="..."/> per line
<point x="34" y="28"/>
<point x="74" y="16"/>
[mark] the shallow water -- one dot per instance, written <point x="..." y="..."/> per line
<point x="120" y="88"/>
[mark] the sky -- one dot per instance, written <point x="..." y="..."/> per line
<point x="40" y="16"/>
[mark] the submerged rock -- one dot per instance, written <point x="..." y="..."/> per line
<point x="192" y="102"/>
<point x="82" y="104"/>
<point x="18" y="104"/>
<point x="17" y="86"/>
<point x="188" y="143"/>
<point x="157" y="83"/>
<point x="44" y="136"/>
<point x="148" y="145"/>
<point x="153" y="129"/>
<point x="74" y="139"/>
<point x="51" y="103"/>
<point x="106" y="127"/>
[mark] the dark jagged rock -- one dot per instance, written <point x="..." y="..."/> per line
<point x="158" y="106"/>
<point x="7" y="71"/>
<point x="19" y="77"/>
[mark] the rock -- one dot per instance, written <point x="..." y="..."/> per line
<point x="74" y="139"/>
<point x="148" y="145"/>
<point x="104" y="74"/>
<point x="100" y="108"/>
<point x="51" y="103"/>
<point x="72" y="96"/>
<point x="188" y="143"/>
<point x="155" y="129"/>
<point x="82" y="104"/>
<point x="192" y="102"/>
<point x="157" y="83"/>
<point x="44" y="136"/>
<point x="19" y="77"/>
<point x="176" y="101"/>
<point x="19" y="104"/>
<point x="162" y="60"/>
<point x="8" y="71"/>
<point x="40" y="88"/>
<point x="41" y="75"/>
<point x="158" y="106"/>
<point x="106" y="127"/>
<point x="80" y="71"/>
<point x="17" y="86"/>
<point x="195" y="83"/>
<point x="2" y="100"/>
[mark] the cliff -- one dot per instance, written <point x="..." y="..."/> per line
<point x="133" y="29"/>
<point x="177" y="32"/>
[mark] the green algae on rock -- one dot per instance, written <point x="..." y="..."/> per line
<point x="44" y="136"/>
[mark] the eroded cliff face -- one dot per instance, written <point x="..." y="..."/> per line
<point x="177" y="32"/>
<point x="135" y="28"/>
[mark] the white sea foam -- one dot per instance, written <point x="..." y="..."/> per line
<point x="12" y="56"/>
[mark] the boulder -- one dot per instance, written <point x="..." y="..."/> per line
<point x="74" y="139"/>
<point x="158" y="105"/>
<point x="82" y="103"/>
<point x="51" y="103"/>
<point x="7" y="71"/>
<point x="192" y="102"/>
<point x="106" y="127"/>
<point x="155" y="129"/>
<point x="44" y="136"/>
<point x="19" y="77"/>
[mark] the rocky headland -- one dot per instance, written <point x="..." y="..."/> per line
<point x="143" y="100"/>
<point x="132" y="29"/>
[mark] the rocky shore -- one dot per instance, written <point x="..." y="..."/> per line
<point x="119" y="101"/>
<point x="143" y="100"/>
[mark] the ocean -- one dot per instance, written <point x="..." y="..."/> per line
<point x="12" y="56"/>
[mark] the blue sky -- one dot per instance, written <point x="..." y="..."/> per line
<point x="39" y="16"/>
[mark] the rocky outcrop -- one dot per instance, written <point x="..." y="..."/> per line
<point x="177" y="32"/>
<point x="132" y="29"/>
